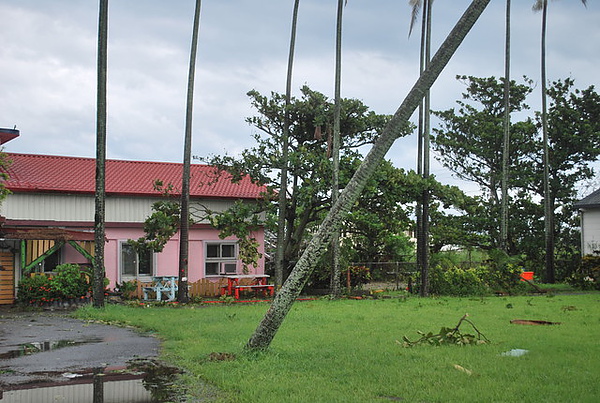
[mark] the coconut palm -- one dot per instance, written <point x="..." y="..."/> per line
<point x="335" y="243"/>
<point x="279" y="252"/>
<point x="423" y="161"/>
<point x="184" y="226"/>
<point x="542" y="5"/>
<point x="506" y="136"/>
<point x="269" y="325"/>
<point x="100" y="194"/>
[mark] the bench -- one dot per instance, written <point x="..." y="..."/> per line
<point x="163" y="284"/>
<point x="270" y="288"/>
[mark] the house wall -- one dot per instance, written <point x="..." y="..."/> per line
<point x="590" y="230"/>
<point x="126" y="215"/>
<point x="73" y="207"/>
<point x="167" y="261"/>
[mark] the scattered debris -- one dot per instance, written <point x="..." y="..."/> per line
<point x="532" y="322"/>
<point x="448" y="336"/>
<point x="515" y="352"/>
<point x="463" y="369"/>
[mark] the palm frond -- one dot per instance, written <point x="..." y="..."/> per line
<point x="416" y="8"/>
<point x="539" y="4"/>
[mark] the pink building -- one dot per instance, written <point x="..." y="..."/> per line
<point x="49" y="217"/>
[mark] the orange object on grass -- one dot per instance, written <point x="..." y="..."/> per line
<point x="527" y="275"/>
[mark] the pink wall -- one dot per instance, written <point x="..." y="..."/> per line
<point x="167" y="261"/>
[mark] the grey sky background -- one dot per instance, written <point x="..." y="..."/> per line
<point x="48" y="66"/>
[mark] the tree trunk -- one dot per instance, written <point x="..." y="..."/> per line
<point x="280" y="248"/>
<point x="100" y="195"/>
<point x="424" y="291"/>
<point x="184" y="226"/>
<point x="269" y="325"/>
<point x="548" y="213"/>
<point x="506" y="137"/>
<point x="335" y="181"/>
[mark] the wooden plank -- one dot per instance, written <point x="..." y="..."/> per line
<point x="7" y="278"/>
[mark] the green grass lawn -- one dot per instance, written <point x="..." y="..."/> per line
<point x="347" y="350"/>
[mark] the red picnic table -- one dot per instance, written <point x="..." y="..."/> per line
<point x="258" y="283"/>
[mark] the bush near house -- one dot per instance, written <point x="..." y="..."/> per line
<point x="68" y="283"/>
<point x="588" y="275"/>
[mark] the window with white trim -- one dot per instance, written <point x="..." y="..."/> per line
<point x="220" y="258"/>
<point x="134" y="265"/>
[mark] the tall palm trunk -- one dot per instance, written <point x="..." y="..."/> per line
<point x="423" y="147"/>
<point x="548" y="199"/>
<point x="280" y="249"/>
<point x="506" y="136"/>
<point x="100" y="195"/>
<point x="335" y="181"/>
<point x="269" y="325"/>
<point x="548" y="213"/>
<point x="424" y="290"/>
<point x="184" y="226"/>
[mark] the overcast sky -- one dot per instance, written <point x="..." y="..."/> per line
<point x="48" y="66"/>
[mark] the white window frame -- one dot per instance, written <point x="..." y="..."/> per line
<point x="137" y="276"/>
<point x="222" y="262"/>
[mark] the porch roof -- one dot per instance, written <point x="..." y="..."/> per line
<point x="44" y="233"/>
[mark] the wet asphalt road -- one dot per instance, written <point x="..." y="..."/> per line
<point x="72" y="346"/>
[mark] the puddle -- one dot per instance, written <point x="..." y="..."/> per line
<point x="142" y="381"/>
<point x="38" y="347"/>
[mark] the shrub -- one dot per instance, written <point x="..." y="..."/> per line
<point x="69" y="282"/>
<point x="359" y="275"/>
<point x="36" y="290"/>
<point x="127" y="289"/>
<point x="588" y="275"/>
<point x="456" y="281"/>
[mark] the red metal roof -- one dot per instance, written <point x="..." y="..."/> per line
<point x="48" y="173"/>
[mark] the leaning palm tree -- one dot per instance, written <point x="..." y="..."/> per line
<point x="506" y="136"/>
<point x="335" y="181"/>
<point x="184" y="226"/>
<point x="100" y="194"/>
<point x="281" y="219"/>
<point x="269" y="325"/>
<point x="423" y="153"/>
<point x="542" y="5"/>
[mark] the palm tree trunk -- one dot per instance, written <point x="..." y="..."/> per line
<point x="548" y="213"/>
<point x="100" y="195"/>
<point x="280" y="249"/>
<point x="419" y="206"/>
<point x="184" y="226"/>
<point x="424" y="290"/>
<point x="335" y="181"/>
<point x="506" y="137"/>
<point x="269" y="325"/>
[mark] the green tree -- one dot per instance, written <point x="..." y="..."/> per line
<point x="573" y="134"/>
<point x="269" y="325"/>
<point x="182" y="293"/>
<point x="309" y="192"/>
<point x="470" y="141"/>
<point x="549" y="226"/>
<point x="100" y="194"/>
